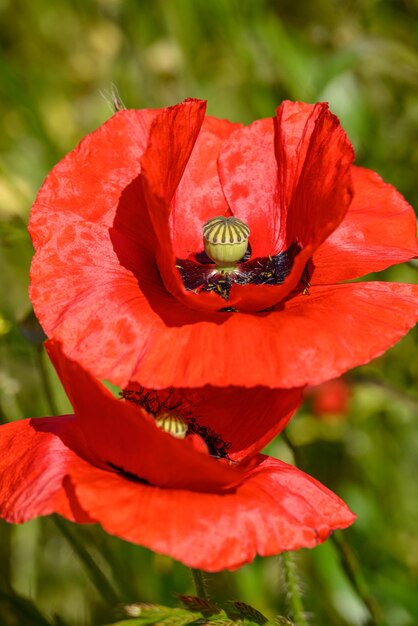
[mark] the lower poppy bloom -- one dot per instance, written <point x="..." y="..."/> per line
<point x="177" y="249"/>
<point x="208" y="499"/>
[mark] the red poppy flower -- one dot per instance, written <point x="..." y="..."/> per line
<point x="331" y="398"/>
<point x="109" y="463"/>
<point x="122" y="279"/>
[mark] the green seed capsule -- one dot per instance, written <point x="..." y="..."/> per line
<point x="173" y="424"/>
<point x="226" y="241"/>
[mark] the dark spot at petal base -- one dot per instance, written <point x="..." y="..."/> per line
<point x="128" y="475"/>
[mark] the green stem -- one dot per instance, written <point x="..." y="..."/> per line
<point x="298" y="455"/>
<point x="100" y="581"/>
<point x="294" y="595"/>
<point x="352" y="569"/>
<point x="46" y="383"/>
<point x="200" y="583"/>
<point x="347" y="557"/>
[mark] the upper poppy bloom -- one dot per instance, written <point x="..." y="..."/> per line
<point x="123" y="278"/>
<point x="209" y="499"/>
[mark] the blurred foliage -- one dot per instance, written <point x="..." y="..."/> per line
<point x="59" y="64"/>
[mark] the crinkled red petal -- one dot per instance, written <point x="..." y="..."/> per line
<point x="89" y="181"/>
<point x="248" y="419"/>
<point x="314" y="157"/>
<point x="378" y="230"/>
<point x="276" y="508"/>
<point x="312" y="338"/>
<point x="249" y="174"/>
<point x="289" y="179"/>
<point x="94" y="187"/>
<point x="116" y="434"/>
<point x="154" y="341"/>
<point x="199" y="195"/>
<point x="172" y="139"/>
<point x="35" y="459"/>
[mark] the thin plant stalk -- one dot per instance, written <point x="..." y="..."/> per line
<point x="293" y="590"/>
<point x="45" y="380"/>
<point x="347" y="557"/>
<point x="200" y="583"/>
<point x="100" y="581"/>
<point x="352" y="569"/>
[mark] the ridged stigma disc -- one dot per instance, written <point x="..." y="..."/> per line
<point x="173" y="424"/>
<point x="225" y="240"/>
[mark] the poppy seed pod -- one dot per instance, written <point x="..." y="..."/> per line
<point x="226" y="241"/>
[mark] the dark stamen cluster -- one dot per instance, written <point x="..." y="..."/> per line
<point x="199" y="276"/>
<point x="216" y="445"/>
<point x="154" y="403"/>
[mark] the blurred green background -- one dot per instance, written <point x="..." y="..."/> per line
<point x="59" y="64"/>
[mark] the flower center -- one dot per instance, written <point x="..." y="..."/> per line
<point x="226" y="241"/>
<point x="226" y="260"/>
<point x="173" y="414"/>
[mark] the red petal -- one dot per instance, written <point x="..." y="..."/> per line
<point x="88" y="182"/>
<point x="95" y="186"/>
<point x="314" y="158"/>
<point x="104" y="314"/>
<point x="313" y="338"/>
<point x="172" y="139"/>
<point x="281" y="177"/>
<point x="276" y="508"/>
<point x="199" y="195"/>
<point x="83" y="305"/>
<point x="378" y="230"/>
<point x="119" y="434"/>
<point x="120" y="334"/>
<point x="34" y="461"/>
<point x="249" y="176"/>
<point x="246" y="418"/>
